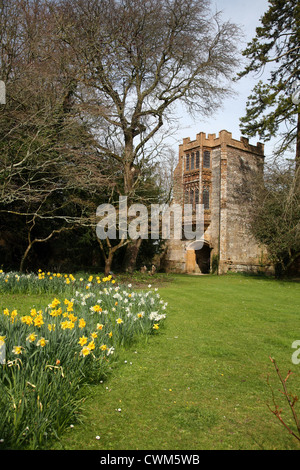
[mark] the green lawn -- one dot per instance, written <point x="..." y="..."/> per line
<point x="201" y="382"/>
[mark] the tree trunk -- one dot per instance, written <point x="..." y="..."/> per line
<point x="25" y="256"/>
<point x="108" y="263"/>
<point x="132" y="251"/>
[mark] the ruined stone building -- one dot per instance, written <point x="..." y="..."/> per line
<point x="218" y="172"/>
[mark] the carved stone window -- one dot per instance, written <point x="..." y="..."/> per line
<point x="187" y="162"/>
<point x="197" y="159"/>
<point x="206" y="159"/>
<point x="192" y="161"/>
<point x="205" y="198"/>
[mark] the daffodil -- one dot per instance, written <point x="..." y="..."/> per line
<point x="38" y="321"/>
<point x="119" y="321"/>
<point x="27" y="319"/>
<point x="55" y="302"/>
<point x="42" y="342"/>
<point x="81" y="323"/>
<point x="17" y="350"/>
<point x="96" y="308"/>
<point x="85" y="351"/>
<point x="14" y="314"/>
<point x="72" y="317"/>
<point x="2" y="340"/>
<point x="31" y="338"/>
<point x="155" y="326"/>
<point x="67" y="325"/>
<point x="82" y="340"/>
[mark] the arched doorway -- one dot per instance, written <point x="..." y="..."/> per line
<point x="203" y="259"/>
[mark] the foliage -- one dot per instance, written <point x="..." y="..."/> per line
<point x="275" y="218"/>
<point x="275" y="48"/>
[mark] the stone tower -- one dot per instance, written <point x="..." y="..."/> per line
<point x="218" y="172"/>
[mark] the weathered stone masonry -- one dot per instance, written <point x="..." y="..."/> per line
<point x="218" y="172"/>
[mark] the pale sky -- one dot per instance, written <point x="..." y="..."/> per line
<point x="246" y="14"/>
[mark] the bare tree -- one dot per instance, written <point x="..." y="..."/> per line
<point x="50" y="173"/>
<point x="134" y="60"/>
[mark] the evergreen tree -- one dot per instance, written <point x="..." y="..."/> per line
<point x="277" y="46"/>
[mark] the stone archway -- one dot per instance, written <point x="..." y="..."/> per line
<point x="203" y="259"/>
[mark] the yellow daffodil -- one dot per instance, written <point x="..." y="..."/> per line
<point x="6" y="312"/>
<point x="72" y="317"/>
<point x="119" y="321"/>
<point x="99" y="326"/>
<point x="94" y="335"/>
<point x="32" y="337"/>
<point x="17" y="350"/>
<point x="67" y="325"/>
<point x="55" y="302"/>
<point x="56" y="312"/>
<point x="27" y="319"/>
<point x="81" y="323"/>
<point x="103" y="347"/>
<point x="38" y="321"/>
<point x="85" y="351"/>
<point x="2" y="340"/>
<point x="42" y="342"/>
<point x="155" y="326"/>
<point x="82" y="341"/>
<point x="96" y="308"/>
<point x="13" y="316"/>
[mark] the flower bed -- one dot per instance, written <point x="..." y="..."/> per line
<point x="51" y="353"/>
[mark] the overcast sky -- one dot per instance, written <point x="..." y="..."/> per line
<point x="246" y="14"/>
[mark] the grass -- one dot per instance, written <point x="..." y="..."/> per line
<point x="202" y="382"/>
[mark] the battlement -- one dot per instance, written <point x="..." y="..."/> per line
<point x="224" y="138"/>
